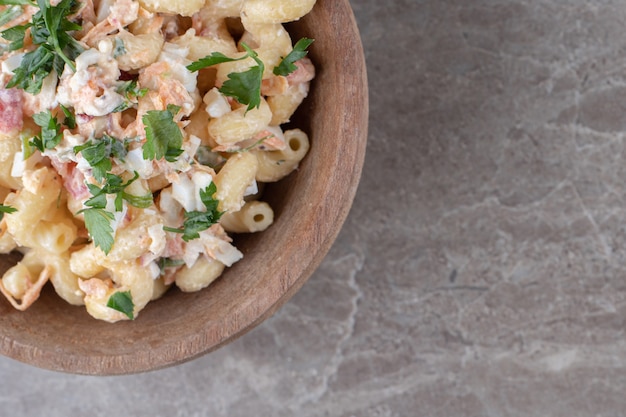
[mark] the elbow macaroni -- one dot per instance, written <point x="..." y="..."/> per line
<point x="224" y="144"/>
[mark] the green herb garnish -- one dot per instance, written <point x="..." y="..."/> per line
<point x="130" y="89"/>
<point x="115" y="185"/>
<point x="56" y="47"/>
<point x="197" y="221"/>
<point x="6" y="209"/>
<point x="51" y="134"/>
<point x="131" y="93"/>
<point x="163" y="136"/>
<point x="98" y="224"/>
<point x="169" y="263"/>
<point x="9" y="14"/>
<point x="299" y="51"/>
<point x="244" y="86"/>
<point x="122" y="302"/>
<point x="98" y="153"/>
<point x="98" y="219"/>
<point x="70" y="119"/>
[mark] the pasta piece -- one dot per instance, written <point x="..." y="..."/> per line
<point x="54" y="237"/>
<point x="181" y="7"/>
<point x="220" y="9"/>
<point x="87" y="261"/>
<point x="7" y="243"/>
<point x="160" y="288"/>
<point x="238" y="125"/>
<point x="275" y="165"/>
<point x="136" y="278"/>
<point x="22" y="283"/>
<point x="233" y="180"/>
<point x="254" y="216"/>
<point x="124" y="276"/>
<point x="39" y="196"/>
<point x="135" y="239"/>
<point x="271" y="41"/>
<point x="97" y="293"/>
<point x="284" y="105"/>
<point x="146" y="23"/>
<point x="226" y="68"/>
<point x="276" y="11"/>
<point x="65" y="282"/>
<point x="200" y="275"/>
<point x="139" y="50"/>
<point x="9" y="146"/>
<point x="201" y="46"/>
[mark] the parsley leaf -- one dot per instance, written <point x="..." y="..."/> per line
<point x="163" y="136"/>
<point x="244" y="86"/>
<point x="15" y="35"/>
<point x="114" y="184"/>
<point x="131" y="93"/>
<point x="9" y="14"/>
<point x="51" y="134"/>
<point x="27" y="146"/>
<point x="130" y="89"/>
<point x="98" y="224"/>
<point x="210" y="60"/>
<point x="299" y="51"/>
<point x="56" y="47"/>
<point x="98" y="154"/>
<point x="70" y="119"/>
<point x="6" y="209"/>
<point x="197" y="221"/>
<point x="122" y="302"/>
<point x="97" y="219"/>
<point x="169" y="263"/>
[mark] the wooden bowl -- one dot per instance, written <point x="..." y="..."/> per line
<point x="310" y="206"/>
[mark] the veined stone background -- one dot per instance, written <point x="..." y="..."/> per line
<point x="482" y="269"/>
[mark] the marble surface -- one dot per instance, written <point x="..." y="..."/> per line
<point x="481" y="271"/>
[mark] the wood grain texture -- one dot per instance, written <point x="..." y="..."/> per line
<point x="310" y="205"/>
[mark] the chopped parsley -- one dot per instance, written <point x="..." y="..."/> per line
<point x="299" y="51"/>
<point x="244" y="86"/>
<point x="51" y="129"/>
<point x="163" y="136"/>
<point x="115" y="185"/>
<point x="98" y="219"/>
<point x="49" y="30"/>
<point x="98" y="224"/>
<point x="27" y="146"/>
<point x="169" y="263"/>
<point x="197" y="221"/>
<point x="6" y="209"/>
<point x="122" y="302"/>
<point x="70" y="119"/>
<point x="131" y="93"/>
<point x="9" y="13"/>
<point x="131" y="90"/>
<point x="51" y="134"/>
<point x="98" y="154"/>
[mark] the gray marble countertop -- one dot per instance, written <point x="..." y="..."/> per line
<point x="481" y="271"/>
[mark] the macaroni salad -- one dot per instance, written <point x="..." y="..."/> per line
<point x="135" y="135"/>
